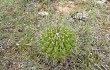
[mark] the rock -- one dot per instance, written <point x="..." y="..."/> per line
<point x="101" y="2"/>
<point x="43" y="13"/>
<point x="81" y="15"/>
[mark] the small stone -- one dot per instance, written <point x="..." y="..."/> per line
<point x="81" y="16"/>
<point x="43" y="13"/>
<point x="57" y="34"/>
<point x="101" y="2"/>
<point x="17" y="44"/>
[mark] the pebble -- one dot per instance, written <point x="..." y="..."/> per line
<point x="43" y="13"/>
<point x="101" y="2"/>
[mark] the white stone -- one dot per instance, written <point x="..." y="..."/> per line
<point x="101" y="2"/>
<point x="43" y="13"/>
<point x="57" y="34"/>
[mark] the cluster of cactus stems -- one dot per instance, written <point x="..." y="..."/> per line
<point x="57" y="42"/>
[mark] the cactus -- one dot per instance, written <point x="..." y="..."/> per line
<point x="57" y="42"/>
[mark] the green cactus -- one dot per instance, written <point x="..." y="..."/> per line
<point x="57" y="42"/>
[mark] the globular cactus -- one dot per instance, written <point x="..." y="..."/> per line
<point x="57" y="42"/>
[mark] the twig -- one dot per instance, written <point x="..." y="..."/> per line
<point x="103" y="67"/>
<point x="98" y="67"/>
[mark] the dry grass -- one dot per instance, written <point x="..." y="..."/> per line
<point x="20" y="25"/>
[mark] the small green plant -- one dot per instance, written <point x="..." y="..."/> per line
<point x="57" y="42"/>
<point x="26" y="40"/>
